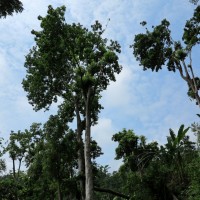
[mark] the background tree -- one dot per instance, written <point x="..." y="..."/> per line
<point x="60" y="157"/>
<point x="195" y="127"/>
<point x="8" y="7"/>
<point x="155" y="49"/>
<point x="193" y="191"/>
<point x="156" y="172"/>
<point x="133" y="149"/>
<point x="16" y="149"/>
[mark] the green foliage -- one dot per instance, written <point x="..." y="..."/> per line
<point x="75" y="59"/>
<point x="157" y="172"/>
<point x="76" y="64"/>
<point x="17" y="148"/>
<point x="2" y="161"/>
<point x="190" y="92"/>
<point x="55" y="159"/>
<point x="46" y="63"/>
<point x="156" y="49"/>
<point x="153" y="49"/>
<point x="193" y="191"/>
<point x="95" y="150"/>
<point x="192" y="29"/>
<point x="195" y="127"/>
<point x="133" y="149"/>
<point x="9" y="7"/>
<point x="8" y="188"/>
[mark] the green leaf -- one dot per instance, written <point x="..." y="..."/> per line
<point x="181" y="133"/>
<point x="172" y="134"/>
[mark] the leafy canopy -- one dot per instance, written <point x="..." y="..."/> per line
<point x="156" y="49"/>
<point x="68" y="58"/>
<point x="8" y="7"/>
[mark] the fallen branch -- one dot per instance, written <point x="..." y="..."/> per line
<point x="111" y="192"/>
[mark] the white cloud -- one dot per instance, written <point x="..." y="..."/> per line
<point x="118" y="93"/>
<point x="5" y="72"/>
<point x="103" y="133"/>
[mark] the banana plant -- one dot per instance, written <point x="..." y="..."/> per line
<point x="175" y="142"/>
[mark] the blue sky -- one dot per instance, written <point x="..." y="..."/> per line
<point x="149" y="103"/>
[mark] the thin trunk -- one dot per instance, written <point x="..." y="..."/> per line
<point x="20" y="161"/>
<point x="59" y="192"/>
<point x="14" y="174"/>
<point x="88" y="164"/>
<point x="190" y="81"/>
<point x="81" y="164"/>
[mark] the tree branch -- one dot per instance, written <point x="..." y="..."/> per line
<point x="111" y="192"/>
<point x="192" y="82"/>
<point x="179" y="67"/>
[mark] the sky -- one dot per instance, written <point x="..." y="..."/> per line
<point x="146" y="102"/>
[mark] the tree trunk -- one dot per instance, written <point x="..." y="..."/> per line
<point x="20" y="161"/>
<point x="14" y="174"/>
<point x="59" y="192"/>
<point x="190" y="79"/>
<point x="81" y="164"/>
<point x="88" y="164"/>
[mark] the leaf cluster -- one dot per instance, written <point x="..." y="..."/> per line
<point x="153" y="49"/>
<point x="8" y="7"/>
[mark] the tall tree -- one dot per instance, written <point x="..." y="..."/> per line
<point x="76" y="64"/>
<point x="8" y="7"/>
<point x="155" y="49"/>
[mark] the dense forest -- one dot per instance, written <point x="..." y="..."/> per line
<point x="72" y="65"/>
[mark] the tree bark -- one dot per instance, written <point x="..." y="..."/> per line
<point x="190" y="81"/>
<point x="88" y="165"/>
<point x="81" y="164"/>
<point x="20" y="161"/>
<point x="14" y="174"/>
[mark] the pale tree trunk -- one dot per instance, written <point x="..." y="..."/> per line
<point x="88" y="164"/>
<point x="189" y="78"/>
<point x="81" y="164"/>
<point x="20" y="161"/>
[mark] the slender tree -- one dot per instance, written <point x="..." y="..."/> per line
<point x="18" y="147"/>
